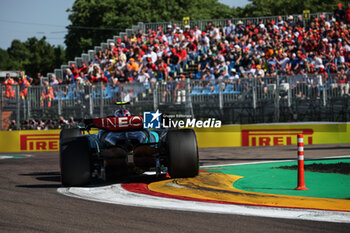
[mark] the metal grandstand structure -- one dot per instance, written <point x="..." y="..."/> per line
<point x="254" y="100"/>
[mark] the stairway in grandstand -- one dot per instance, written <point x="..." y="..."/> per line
<point x="6" y="115"/>
<point x="59" y="72"/>
<point x="91" y="53"/>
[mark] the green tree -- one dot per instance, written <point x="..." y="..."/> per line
<point x="4" y="60"/>
<point x="32" y="56"/>
<point x="287" y="7"/>
<point x="18" y="54"/>
<point x="122" y="14"/>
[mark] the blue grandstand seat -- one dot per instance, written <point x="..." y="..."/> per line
<point x="116" y="89"/>
<point x="59" y="95"/>
<point x="108" y="92"/>
<point x="216" y="89"/>
<point x="228" y="88"/>
<point x="206" y="91"/>
<point x="69" y="96"/>
<point x="96" y="94"/>
<point x="196" y="90"/>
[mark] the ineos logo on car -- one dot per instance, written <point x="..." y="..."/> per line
<point x="113" y="123"/>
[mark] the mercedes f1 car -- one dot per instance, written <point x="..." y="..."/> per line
<point x="123" y="147"/>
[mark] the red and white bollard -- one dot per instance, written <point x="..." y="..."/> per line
<point x="301" y="174"/>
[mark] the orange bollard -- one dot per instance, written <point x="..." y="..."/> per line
<point x="301" y="174"/>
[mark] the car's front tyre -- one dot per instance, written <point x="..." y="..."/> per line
<point x="182" y="150"/>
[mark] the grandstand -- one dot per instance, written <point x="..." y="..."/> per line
<point x="267" y="69"/>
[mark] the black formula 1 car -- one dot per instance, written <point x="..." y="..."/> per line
<point x="122" y="147"/>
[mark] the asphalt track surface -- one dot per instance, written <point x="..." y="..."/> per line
<point x="29" y="201"/>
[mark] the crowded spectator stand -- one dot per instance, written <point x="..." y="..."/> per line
<point x="289" y="48"/>
<point x="305" y="56"/>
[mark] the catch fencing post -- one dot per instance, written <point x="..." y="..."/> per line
<point x="18" y="97"/>
<point x="301" y="174"/>
<point x="277" y="101"/>
<point x="29" y="115"/>
<point x="101" y="100"/>
<point x="155" y="96"/>
<point x="188" y="103"/>
<point x="324" y="93"/>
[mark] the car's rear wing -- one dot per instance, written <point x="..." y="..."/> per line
<point x="115" y="123"/>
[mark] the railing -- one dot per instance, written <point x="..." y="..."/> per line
<point x="222" y="22"/>
<point x="268" y="99"/>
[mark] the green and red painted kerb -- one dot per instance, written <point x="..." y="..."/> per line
<point x="261" y="184"/>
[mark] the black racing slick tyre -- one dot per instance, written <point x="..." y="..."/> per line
<point x="75" y="162"/>
<point x="182" y="153"/>
<point x="69" y="134"/>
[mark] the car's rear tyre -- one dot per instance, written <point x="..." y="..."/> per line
<point x="68" y="134"/>
<point x="75" y="161"/>
<point x="182" y="153"/>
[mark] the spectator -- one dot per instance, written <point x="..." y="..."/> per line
<point x="339" y="13"/>
<point x="83" y="68"/>
<point x="233" y="75"/>
<point x="24" y="82"/>
<point x="197" y="32"/>
<point x="46" y="95"/>
<point x="229" y="30"/>
<point x="143" y="77"/>
<point x="204" y="42"/>
<point x="53" y="80"/>
<point x="266" y="48"/>
<point x="13" y="126"/>
<point x="60" y="81"/>
<point x="132" y="65"/>
<point x="9" y="87"/>
<point x="162" y="69"/>
<point x="38" y="79"/>
<point x="72" y="123"/>
<point x="181" y="89"/>
<point x="62" y="123"/>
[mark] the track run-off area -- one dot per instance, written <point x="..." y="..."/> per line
<point x="218" y="190"/>
<point x="32" y="200"/>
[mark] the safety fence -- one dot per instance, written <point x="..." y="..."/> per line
<point x="243" y="100"/>
<point x="225" y="136"/>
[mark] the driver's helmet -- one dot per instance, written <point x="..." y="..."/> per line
<point x="121" y="112"/>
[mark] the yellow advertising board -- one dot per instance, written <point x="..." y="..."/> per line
<point x="185" y="21"/>
<point x="29" y="140"/>
<point x="306" y="14"/>
<point x="226" y="136"/>
<point x="273" y="134"/>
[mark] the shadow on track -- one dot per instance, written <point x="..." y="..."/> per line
<point x="43" y="176"/>
<point x="40" y="186"/>
<point x="239" y="159"/>
<point x="55" y="179"/>
<point x="306" y="148"/>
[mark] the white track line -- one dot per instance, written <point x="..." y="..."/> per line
<point x="115" y="194"/>
<point x="276" y="161"/>
<point x="13" y="156"/>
